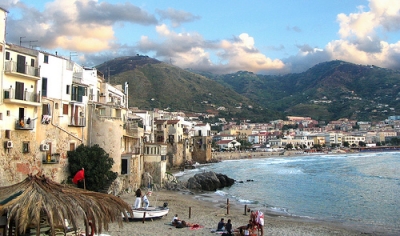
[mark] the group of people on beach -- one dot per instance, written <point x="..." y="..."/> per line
<point x="254" y="227"/>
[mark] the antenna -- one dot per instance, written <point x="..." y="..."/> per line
<point x="72" y="54"/>
<point x="108" y="77"/>
<point x="28" y="41"/>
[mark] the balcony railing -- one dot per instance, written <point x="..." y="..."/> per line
<point x="77" y="122"/>
<point x="11" y="96"/>
<point x="53" y="158"/>
<point x="26" y="71"/>
<point x="24" y="124"/>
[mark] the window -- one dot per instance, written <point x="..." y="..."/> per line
<point x="44" y="87"/>
<point x="25" y="147"/>
<point x="124" y="166"/>
<point x="19" y="91"/>
<point x="7" y="55"/>
<point x="46" y="59"/>
<point x="46" y="114"/>
<point x="72" y="146"/>
<point x="77" y="93"/>
<point x="46" y="109"/>
<point x="33" y="62"/>
<point x="1" y="116"/>
<point x="67" y="89"/>
<point x="21" y="60"/>
<point x="8" y="133"/>
<point x="65" y="109"/>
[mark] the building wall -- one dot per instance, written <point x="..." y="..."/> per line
<point x="202" y="149"/>
<point x="175" y="155"/>
<point x="156" y="170"/>
<point x="107" y="133"/>
<point x="15" y="165"/>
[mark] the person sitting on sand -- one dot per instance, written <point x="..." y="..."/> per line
<point x="228" y="228"/>
<point x="221" y="225"/>
<point x="246" y="229"/>
<point x="175" y="220"/>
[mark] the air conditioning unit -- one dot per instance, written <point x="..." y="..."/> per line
<point x="44" y="147"/>
<point x="8" y="144"/>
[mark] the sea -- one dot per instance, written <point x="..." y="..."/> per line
<point x="360" y="190"/>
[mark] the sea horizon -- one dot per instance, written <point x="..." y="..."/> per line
<point x="358" y="190"/>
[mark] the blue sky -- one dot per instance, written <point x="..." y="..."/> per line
<point x="265" y="37"/>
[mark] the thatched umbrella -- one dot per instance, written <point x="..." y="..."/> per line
<point x="37" y="197"/>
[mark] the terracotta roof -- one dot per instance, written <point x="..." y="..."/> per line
<point x="159" y="122"/>
<point x="170" y="122"/>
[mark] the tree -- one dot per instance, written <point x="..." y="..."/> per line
<point x="289" y="146"/>
<point x="244" y="144"/>
<point x="317" y="146"/>
<point x="346" y="144"/>
<point x="395" y="141"/>
<point x="97" y="164"/>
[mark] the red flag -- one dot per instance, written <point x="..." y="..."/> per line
<point x="80" y="175"/>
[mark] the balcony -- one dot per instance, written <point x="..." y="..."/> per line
<point x="131" y="129"/>
<point x="53" y="158"/>
<point x="24" y="98"/>
<point x="77" y="121"/>
<point x="77" y="77"/>
<point x="25" y="124"/>
<point x="26" y="72"/>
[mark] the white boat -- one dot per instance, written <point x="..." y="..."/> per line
<point x="149" y="213"/>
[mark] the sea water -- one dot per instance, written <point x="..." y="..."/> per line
<point x="359" y="190"/>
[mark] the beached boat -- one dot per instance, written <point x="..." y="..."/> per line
<point x="149" y="213"/>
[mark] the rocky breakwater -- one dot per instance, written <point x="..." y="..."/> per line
<point x="209" y="181"/>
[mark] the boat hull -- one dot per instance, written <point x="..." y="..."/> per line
<point x="151" y="212"/>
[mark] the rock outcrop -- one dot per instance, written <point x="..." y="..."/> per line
<point x="209" y="181"/>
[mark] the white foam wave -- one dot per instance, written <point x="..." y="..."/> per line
<point x="221" y="193"/>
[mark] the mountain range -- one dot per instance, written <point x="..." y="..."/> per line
<point x="327" y="91"/>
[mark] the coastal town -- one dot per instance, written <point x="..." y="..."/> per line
<point x="50" y="105"/>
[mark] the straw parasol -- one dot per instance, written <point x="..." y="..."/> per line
<point x="37" y="197"/>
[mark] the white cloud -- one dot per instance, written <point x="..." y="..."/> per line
<point x="87" y="26"/>
<point x="362" y="37"/>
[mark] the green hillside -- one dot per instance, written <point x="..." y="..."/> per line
<point x="153" y="84"/>
<point x="327" y="91"/>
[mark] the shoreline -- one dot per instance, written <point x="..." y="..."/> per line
<point x="208" y="212"/>
<point x="357" y="229"/>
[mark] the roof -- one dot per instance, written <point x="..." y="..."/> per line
<point x="37" y="196"/>
<point x="170" y="122"/>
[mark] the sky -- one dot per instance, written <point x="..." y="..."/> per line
<point x="261" y="36"/>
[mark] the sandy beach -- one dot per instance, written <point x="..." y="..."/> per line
<point x="207" y="211"/>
